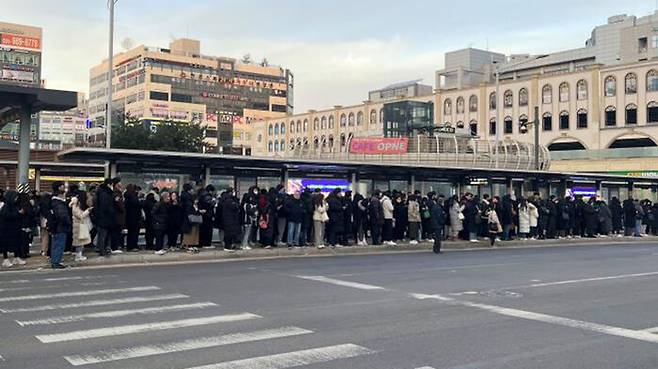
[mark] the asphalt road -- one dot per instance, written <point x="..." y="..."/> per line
<point x="576" y="307"/>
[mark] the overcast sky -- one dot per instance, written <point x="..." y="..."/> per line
<point x="337" y="49"/>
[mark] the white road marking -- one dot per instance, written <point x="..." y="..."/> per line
<point x="127" y="300"/>
<point x="187" y="345"/>
<point x="645" y="336"/>
<point x="2" y="359"/>
<point x="79" y="293"/>
<point x="651" y="330"/>
<point x="114" y="314"/>
<point x="294" y="359"/>
<point x="338" y="282"/>
<point x="425" y="367"/>
<point x="420" y="296"/>
<point x="141" y="328"/>
<point x="573" y="281"/>
<point x="52" y="286"/>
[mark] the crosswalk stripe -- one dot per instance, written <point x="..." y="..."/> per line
<point x="425" y="367"/>
<point x="56" y="286"/>
<point x="338" y="282"/>
<point x="127" y="300"/>
<point x="294" y="359"/>
<point x="79" y="293"/>
<point x="141" y="328"/>
<point x="187" y="345"/>
<point x="114" y="314"/>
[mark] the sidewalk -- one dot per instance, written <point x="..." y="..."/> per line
<point x="219" y="255"/>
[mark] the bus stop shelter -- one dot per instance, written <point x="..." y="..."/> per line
<point x="19" y="103"/>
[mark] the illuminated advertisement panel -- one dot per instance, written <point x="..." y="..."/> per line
<point x="325" y="185"/>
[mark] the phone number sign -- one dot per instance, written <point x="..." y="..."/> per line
<point x="22" y="42"/>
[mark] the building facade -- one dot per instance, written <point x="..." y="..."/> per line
<point x="602" y="119"/>
<point x="179" y="83"/>
<point x="20" y="55"/>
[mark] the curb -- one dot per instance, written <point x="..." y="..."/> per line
<point x="216" y="256"/>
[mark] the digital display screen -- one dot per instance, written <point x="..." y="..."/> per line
<point x="325" y="185"/>
<point x="585" y="192"/>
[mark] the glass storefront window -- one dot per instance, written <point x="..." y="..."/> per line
<point x="268" y="182"/>
<point x="147" y="181"/>
<point x="222" y="183"/>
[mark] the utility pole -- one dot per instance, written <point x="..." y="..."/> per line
<point x="110" y="63"/>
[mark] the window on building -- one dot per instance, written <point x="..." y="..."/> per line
<point x="283" y="128"/>
<point x="564" y="120"/>
<point x="373" y="116"/>
<point x="331" y="122"/>
<point x="508" y="99"/>
<point x="178" y="98"/>
<point x="276" y="129"/>
<point x="523" y="97"/>
<point x="343" y="120"/>
<point x="381" y="116"/>
<point x="162" y="96"/>
<point x="547" y="94"/>
<point x="564" y="92"/>
<point x="316" y="124"/>
<point x="473" y="104"/>
<point x="276" y="146"/>
<point x="323" y="123"/>
<point x="460" y="105"/>
<point x="652" y="80"/>
<point x="292" y="126"/>
<point x="343" y="140"/>
<point x="473" y="125"/>
<point x="270" y="130"/>
<point x="447" y="107"/>
<point x="642" y="45"/>
<point x="282" y="145"/>
<point x="299" y="126"/>
<point x="652" y="112"/>
<point x="279" y="108"/>
<point x="523" y="124"/>
<point x="631" y="114"/>
<point x="492" y="126"/>
<point x="270" y="146"/>
<point x="305" y="125"/>
<point x="547" y="122"/>
<point x="610" y="86"/>
<point x="316" y="142"/>
<point x="260" y="138"/>
<point x="460" y="125"/>
<point x="581" y="90"/>
<point x="581" y="119"/>
<point x="654" y="42"/>
<point x="610" y="116"/>
<point x="350" y="120"/>
<point x="509" y="126"/>
<point x="492" y="101"/>
<point x="359" y="119"/>
<point x="292" y="144"/>
<point x="331" y="141"/>
<point x="630" y="84"/>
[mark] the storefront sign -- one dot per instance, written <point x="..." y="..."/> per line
<point x="379" y="146"/>
<point x="21" y="42"/>
<point x="17" y="75"/>
<point x="324" y="185"/>
<point x="639" y="174"/>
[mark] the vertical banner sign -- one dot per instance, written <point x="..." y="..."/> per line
<point x="379" y="146"/>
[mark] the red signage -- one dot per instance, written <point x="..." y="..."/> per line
<point x="379" y="146"/>
<point x="23" y="42"/>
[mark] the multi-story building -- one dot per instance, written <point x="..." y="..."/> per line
<point x="401" y="90"/>
<point x="602" y="119"/>
<point x="179" y="83"/>
<point x="20" y="55"/>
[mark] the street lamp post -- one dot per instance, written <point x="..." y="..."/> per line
<point x="497" y="112"/>
<point x="110" y="62"/>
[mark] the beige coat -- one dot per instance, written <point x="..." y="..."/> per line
<point x="320" y="213"/>
<point x="81" y="219"/>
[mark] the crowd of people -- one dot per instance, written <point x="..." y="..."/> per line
<point x="109" y="219"/>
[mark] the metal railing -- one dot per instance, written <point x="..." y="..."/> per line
<point x="439" y="151"/>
